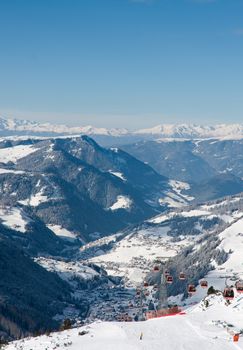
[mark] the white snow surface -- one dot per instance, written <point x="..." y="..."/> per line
<point x="62" y="232"/>
<point x="210" y="328"/>
<point x="68" y="270"/>
<point x="118" y="174"/>
<point x="10" y="171"/>
<point x="122" y="202"/>
<point x="36" y="199"/>
<point x="13" y="218"/>
<point x="12" y="154"/>
<point x="174" y="197"/>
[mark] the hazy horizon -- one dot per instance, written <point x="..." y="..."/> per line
<point x="147" y="125"/>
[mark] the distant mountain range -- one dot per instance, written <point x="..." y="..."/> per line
<point x="10" y="127"/>
<point x="22" y="127"/>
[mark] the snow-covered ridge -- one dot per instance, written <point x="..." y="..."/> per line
<point x="193" y="131"/>
<point x="164" y="131"/>
<point x="26" y="126"/>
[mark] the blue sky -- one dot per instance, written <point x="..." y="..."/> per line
<point x="131" y="63"/>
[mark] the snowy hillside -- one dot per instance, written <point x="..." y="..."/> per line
<point x="211" y="328"/>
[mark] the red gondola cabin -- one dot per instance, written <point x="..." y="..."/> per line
<point x="239" y="286"/>
<point x="169" y="279"/>
<point x="182" y="276"/>
<point x="204" y="284"/>
<point x="191" y="289"/>
<point x="229" y="293"/>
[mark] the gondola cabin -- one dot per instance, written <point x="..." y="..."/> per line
<point x="167" y="273"/>
<point x="156" y="268"/>
<point x="169" y="279"/>
<point x="204" y="284"/>
<point x="145" y="284"/>
<point x="228" y="293"/>
<point x="239" y="286"/>
<point x="182" y="276"/>
<point x="191" y="289"/>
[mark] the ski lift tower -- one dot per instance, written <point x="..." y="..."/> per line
<point x="163" y="298"/>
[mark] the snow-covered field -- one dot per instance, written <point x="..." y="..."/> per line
<point x="62" y="232"/>
<point x="36" y="199"/>
<point x="211" y="327"/>
<point x="122" y="202"/>
<point x="175" y="198"/>
<point x="68" y="270"/>
<point x="12" y="154"/>
<point x="14" y="218"/>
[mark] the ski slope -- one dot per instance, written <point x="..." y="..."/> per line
<point x="210" y="328"/>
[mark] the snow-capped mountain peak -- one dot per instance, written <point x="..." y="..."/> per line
<point x="19" y="127"/>
<point x="162" y="131"/>
<point x="194" y="131"/>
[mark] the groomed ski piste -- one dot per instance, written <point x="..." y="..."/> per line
<point x="211" y="328"/>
